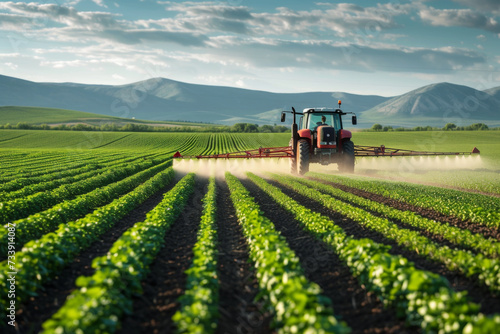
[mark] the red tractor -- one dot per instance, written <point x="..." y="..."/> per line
<point x="319" y="137"/>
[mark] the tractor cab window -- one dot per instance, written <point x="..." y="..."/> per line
<point x="317" y="119"/>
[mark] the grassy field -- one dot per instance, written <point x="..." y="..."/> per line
<point x="52" y="116"/>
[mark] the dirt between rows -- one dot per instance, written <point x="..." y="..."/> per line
<point x="166" y="281"/>
<point x="352" y="303"/>
<point x="488" y="232"/>
<point x="153" y="310"/>
<point x="490" y="303"/>
<point x="52" y="296"/>
<point x="239" y="313"/>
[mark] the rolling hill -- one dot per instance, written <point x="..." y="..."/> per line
<point x="161" y="99"/>
<point x="438" y="104"/>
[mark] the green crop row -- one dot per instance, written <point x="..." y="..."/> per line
<point x="35" y="226"/>
<point x="477" y="208"/>
<point x="41" y="259"/>
<point x="453" y="234"/>
<point x="487" y="270"/>
<point x="13" y="184"/>
<point x="23" y="207"/>
<point x="45" y="171"/>
<point x="424" y="298"/>
<point x="103" y="297"/>
<point x="32" y="162"/>
<point x="199" y="304"/>
<point x="296" y="302"/>
<point x="50" y="181"/>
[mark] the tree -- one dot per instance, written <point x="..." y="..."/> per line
<point x="449" y="127"/>
<point x="239" y="127"/>
<point x="251" y="128"/>
<point x="377" y="127"/>
<point x="266" y="128"/>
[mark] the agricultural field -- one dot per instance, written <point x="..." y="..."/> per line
<point x="105" y="233"/>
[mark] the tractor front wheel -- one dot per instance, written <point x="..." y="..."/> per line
<point x="346" y="165"/>
<point x="302" y="157"/>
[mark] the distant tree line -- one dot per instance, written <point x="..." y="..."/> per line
<point x="448" y="127"/>
<point x="134" y="127"/>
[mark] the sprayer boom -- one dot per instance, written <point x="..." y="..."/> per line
<point x="262" y="152"/>
<point x="382" y="151"/>
<point x="287" y="152"/>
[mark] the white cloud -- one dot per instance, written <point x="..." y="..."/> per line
<point x="273" y="53"/>
<point x="97" y="26"/>
<point x="100" y="3"/>
<point x="486" y="5"/>
<point x="459" y="18"/>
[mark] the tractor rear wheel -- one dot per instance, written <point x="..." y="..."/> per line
<point x="293" y="161"/>
<point x="346" y="165"/>
<point x="302" y="157"/>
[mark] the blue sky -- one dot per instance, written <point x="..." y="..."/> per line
<point x="363" y="47"/>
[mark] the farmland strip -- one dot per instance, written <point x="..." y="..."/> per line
<point x="152" y="311"/>
<point x="487" y="232"/>
<point x="359" y="308"/>
<point x="35" y="226"/>
<point x="477" y="208"/>
<point x="40" y="259"/>
<point x="487" y="270"/>
<point x="50" y="181"/>
<point x="454" y="235"/>
<point x="419" y="295"/>
<point x="478" y="293"/>
<point x="106" y="295"/>
<point x="23" y="207"/>
<point x="40" y="308"/>
<point x="239" y="312"/>
<point x="198" y="312"/>
<point x="297" y="303"/>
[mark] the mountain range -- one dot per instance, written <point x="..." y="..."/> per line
<point x="164" y="99"/>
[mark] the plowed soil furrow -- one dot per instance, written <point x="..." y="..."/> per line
<point x="360" y="309"/>
<point x="424" y="212"/>
<point x="153" y="310"/>
<point x="238" y="284"/>
<point x="52" y="297"/>
<point x="479" y="294"/>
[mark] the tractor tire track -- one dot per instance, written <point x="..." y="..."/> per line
<point x="360" y="309"/>
<point x="238" y="284"/>
<point x="488" y="232"/>
<point x="153" y="310"/>
<point x="490" y="303"/>
<point x="40" y="308"/>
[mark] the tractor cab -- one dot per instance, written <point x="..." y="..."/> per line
<point x="314" y="118"/>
